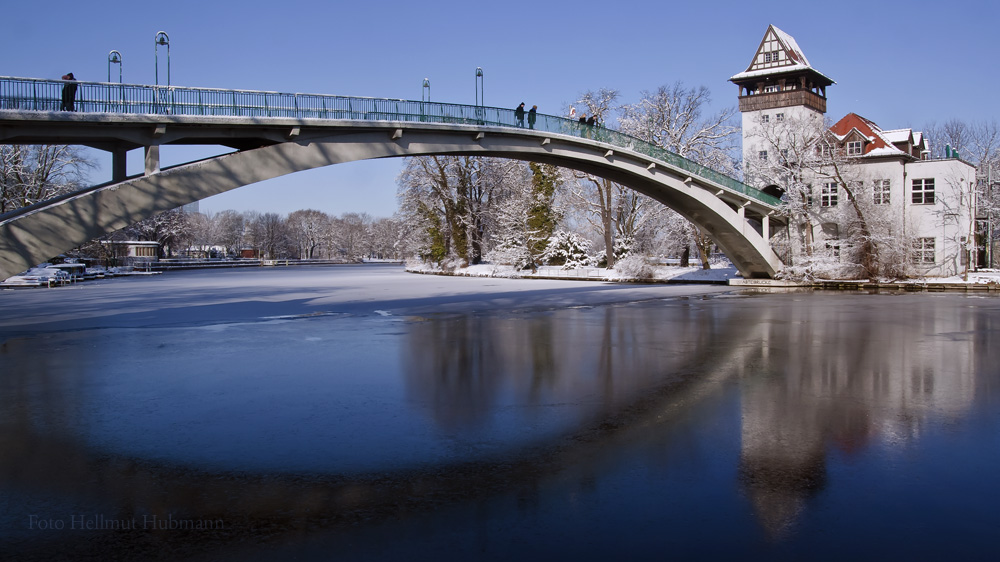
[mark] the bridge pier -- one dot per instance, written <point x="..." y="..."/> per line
<point x="118" y="159"/>
<point x="152" y="159"/>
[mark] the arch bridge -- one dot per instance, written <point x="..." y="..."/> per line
<point x="274" y="134"/>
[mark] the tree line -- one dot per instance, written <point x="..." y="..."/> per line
<point x="303" y="234"/>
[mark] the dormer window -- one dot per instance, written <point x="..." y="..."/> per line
<point x="855" y="148"/>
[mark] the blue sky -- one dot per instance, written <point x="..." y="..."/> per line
<point x="900" y="64"/>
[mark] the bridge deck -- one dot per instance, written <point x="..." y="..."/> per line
<point x="21" y="95"/>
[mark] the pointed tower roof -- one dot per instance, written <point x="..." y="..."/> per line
<point x="779" y="54"/>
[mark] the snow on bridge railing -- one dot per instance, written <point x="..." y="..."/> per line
<point x="30" y="94"/>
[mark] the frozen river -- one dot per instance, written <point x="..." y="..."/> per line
<point x="363" y="413"/>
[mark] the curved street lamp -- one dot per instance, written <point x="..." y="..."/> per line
<point x="161" y="38"/>
<point x="425" y="93"/>
<point x="114" y="57"/>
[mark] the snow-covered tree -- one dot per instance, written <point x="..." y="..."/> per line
<point x="671" y="117"/>
<point x="385" y="233"/>
<point x="568" y="249"/>
<point x="447" y="203"/>
<point x="525" y="218"/>
<point x="306" y="229"/>
<point x="348" y="236"/>
<point x="230" y="229"/>
<point x="33" y="173"/>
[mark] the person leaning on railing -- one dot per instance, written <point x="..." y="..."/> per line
<point x="69" y="93"/>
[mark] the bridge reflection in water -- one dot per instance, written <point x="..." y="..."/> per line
<point x="691" y="411"/>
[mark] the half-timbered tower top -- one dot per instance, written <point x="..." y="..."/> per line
<point x="780" y="76"/>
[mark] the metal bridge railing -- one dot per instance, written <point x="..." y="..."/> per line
<point x="29" y="94"/>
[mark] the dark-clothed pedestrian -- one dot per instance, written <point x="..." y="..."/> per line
<point x="519" y="115"/>
<point x="591" y="120"/>
<point x="532" y="116"/>
<point x="68" y="93"/>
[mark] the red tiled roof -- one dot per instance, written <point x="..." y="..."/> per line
<point x="866" y="128"/>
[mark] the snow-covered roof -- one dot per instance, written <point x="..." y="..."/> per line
<point x="898" y="135"/>
<point x="794" y="59"/>
<point x="880" y="143"/>
<point x="792" y="46"/>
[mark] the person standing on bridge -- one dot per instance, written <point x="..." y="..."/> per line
<point x="68" y="93"/>
<point x="519" y="115"/>
<point x="532" y="115"/>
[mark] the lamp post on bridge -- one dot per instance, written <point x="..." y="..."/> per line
<point x="114" y="57"/>
<point x="479" y="86"/>
<point x="425" y="93"/>
<point x="480" y="113"/>
<point x="161" y="38"/>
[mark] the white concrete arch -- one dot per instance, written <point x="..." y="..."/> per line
<point x="37" y="233"/>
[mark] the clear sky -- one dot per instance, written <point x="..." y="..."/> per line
<point x="898" y="63"/>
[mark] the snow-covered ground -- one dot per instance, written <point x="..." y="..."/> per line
<point x="659" y="273"/>
<point x="720" y="273"/>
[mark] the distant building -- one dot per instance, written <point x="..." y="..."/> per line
<point x="132" y="252"/>
<point x="932" y="201"/>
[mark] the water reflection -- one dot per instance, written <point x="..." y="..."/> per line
<point x="842" y="375"/>
<point x="524" y="398"/>
<point x="471" y="370"/>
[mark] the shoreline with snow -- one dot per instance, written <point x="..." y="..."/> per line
<point x="985" y="280"/>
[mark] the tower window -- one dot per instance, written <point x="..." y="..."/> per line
<point x="771" y="88"/>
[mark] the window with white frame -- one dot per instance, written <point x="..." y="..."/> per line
<point x="880" y="192"/>
<point x="762" y="155"/>
<point x="855" y="148"/>
<point x="764" y="118"/>
<point x="923" y="191"/>
<point x="779" y="117"/>
<point x="923" y="251"/>
<point x="771" y="88"/>
<point x="828" y="195"/>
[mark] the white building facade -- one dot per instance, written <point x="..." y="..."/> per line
<point x="931" y="204"/>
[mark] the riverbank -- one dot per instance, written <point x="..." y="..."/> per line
<point x="985" y="280"/>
